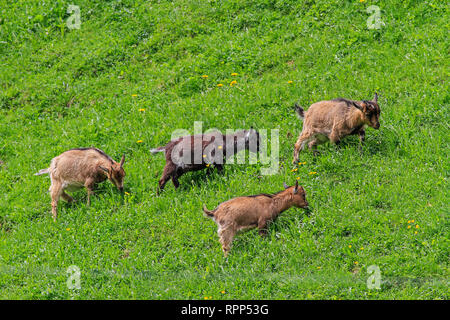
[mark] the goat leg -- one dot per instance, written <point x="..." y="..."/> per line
<point x="362" y="138"/>
<point x="170" y="170"/>
<point x="175" y="181"/>
<point x="56" y="190"/>
<point x="162" y="182"/>
<point x="262" y="228"/>
<point x="219" y="168"/>
<point x="226" y="237"/>
<point x="89" y="184"/>
<point x="66" y="197"/>
<point x="300" y="145"/>
<point x="312" y="145"/>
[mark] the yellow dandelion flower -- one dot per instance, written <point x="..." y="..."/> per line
<point x="127" y="193"/>
<point x="312" y="172"/>
<point x="68" y="229"/>
<point x="141" y="110"/>
<point x="319" y="267"/>
<point x="412" y="221"/>
<point x="207" y="165"/>
<point x="362" y="1"/>
<point x="290" y="81"/>
<point x="204" y="76"/>
<point x="362" y="248"/>
<point x="134" y="95"/>
<point x="298" y="178"/>
<point x="233" y="83"/>
<point x="234" y="74"/>
<point x="417" y="226"/>
<point x="204" y="156"/>
<point x="409" y="227"/>
<point x="222" y="292"/>
<point x="349" y="245"/>
<point x="415" y="232"/>
<point x="139" y="141"/>
<point x="219" y="147"/>
<point x="356" y="262"/>
<point x="409" y="221"/>
<point x="210" y="297"/>
<point x="220" y="85"/>
<point x="206" y="298"/>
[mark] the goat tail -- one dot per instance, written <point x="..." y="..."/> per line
<point x="159" y="149"/>
<point x="300" y="112"/>
<point x="208" y="213"/>
<point x="43" y="171"/>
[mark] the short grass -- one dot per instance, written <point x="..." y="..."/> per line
<point x="387" y="206"/>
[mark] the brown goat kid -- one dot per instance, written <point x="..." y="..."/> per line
<point x="197" y="152"/>
<point x="250" y="212"/>
<point x="334" y="119"/>
<point x="78" y="168"/>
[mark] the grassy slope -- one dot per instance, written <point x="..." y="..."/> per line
<point x="162" y="247"/>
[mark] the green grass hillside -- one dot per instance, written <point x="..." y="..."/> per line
<point x="132" y="74"/>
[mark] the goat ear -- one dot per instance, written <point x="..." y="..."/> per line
<point x="285" y="185"/>
<point x="122" y="161"/>
<point x="358" y="106"/>
<point x="296" y="187"/>
<point x="375" y="98"/>
<point x="368" y="106"/>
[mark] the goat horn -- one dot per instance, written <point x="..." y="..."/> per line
<point x="375" y="98"/>
<point x="296" y="187"/>
<point x="122" y="160"/>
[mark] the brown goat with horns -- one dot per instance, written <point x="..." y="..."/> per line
<point x="197" y="152"/>
<point x="78" y="168"/>
<point x="243" y="213"/>
<point x="334" y="119"/>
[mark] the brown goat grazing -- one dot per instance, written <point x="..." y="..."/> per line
<point x="197" y="152"/>
<point x="334" y="119"/>
<point x="257" y="211"/>
<point x="78" y="168"/>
